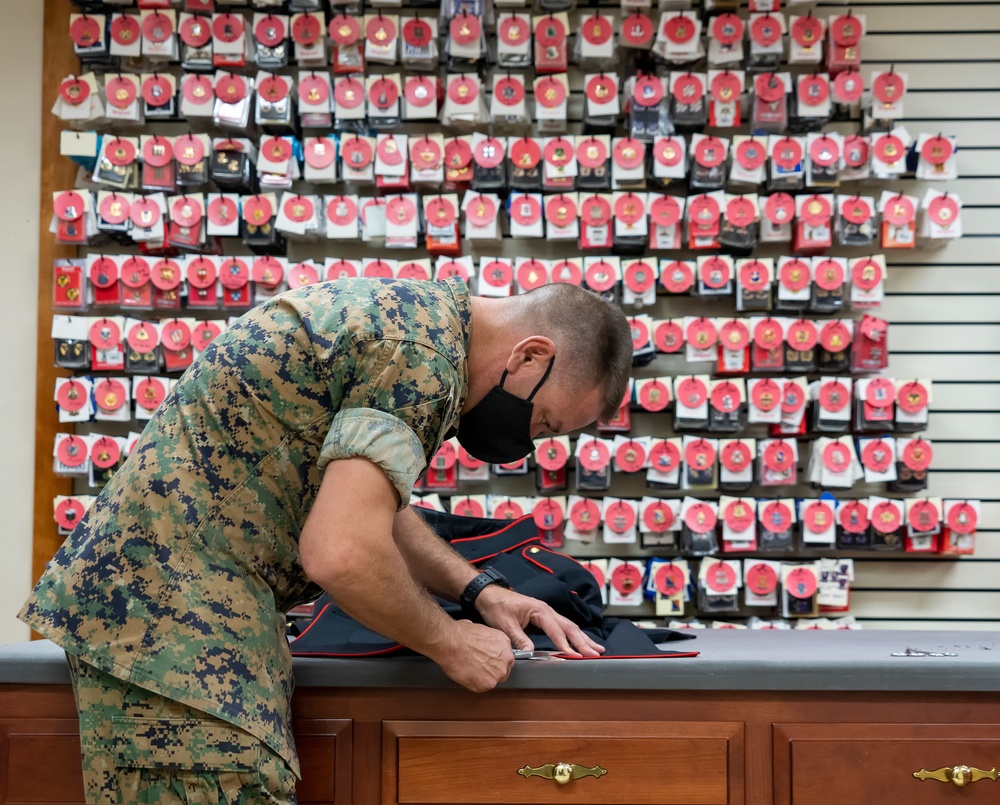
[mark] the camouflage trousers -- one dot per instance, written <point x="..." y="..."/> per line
<point x="139" y="747"/>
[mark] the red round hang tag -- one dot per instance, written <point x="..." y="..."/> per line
<point x="787" y="153"/>
<point x="664" y="211"/>
<point x="380" y="31"/>
<point x="807" y="31"/>
<point x="829" y="276"/>
<point x="532" y="274"/>
<point x="547" y="514"/>
<point x="700" y="455"/>
<point x="866" y="274"/>
<point x="639" y="277"/>
<point x="467" y="507"/>
<point x="817" y="517"/>
<point x="768" y="334"/>
<point x="274" y="89"/>
<point x="734" y="335"/>
<point x="233" y="274"/>
<point x="877" y="456"/>
<point x="135" y="272"/>
<point x="654" y="396"/>
<point x="637" y="29"/>
<point x="668" y="337"/>
<point x="885" y="516"/>
<point x="68" y="512"/>
<point x="114" y="209"/>
<point x="802" y="335"/>
<point x="751" y="155"/>
<point x="157" y="28"/>
<point x="769" y="88"/>
<point x="726" y="397"/>
<point x="342" y="211"/>
<point x="465" y="29"/>
<point x="268" y="271"/>
<point x="509" y="91"/>
<point x="834" y="337"/>
<point x="853" y="517"/>
<point x="834" y="396"/>
<point x="525" y="153"/>
<point x="149" y="393"/>
<point x="195" y="31"/>
<point x="700" y="518"/>
<point x="319" y="152"/>
<point x="776" y="516"/>
<point x="620" y="518"/>
<point x="888" y="88"/>
<point x="664" y="457"/>
<point x="348" y="93"/>
<point x="176" y="335"/>
<point x="727" y="29"/>
<point x="923" y="516"/>
<point x="357" y="153"/>
<point x="779" y="456"/>
<point x="103" y="272"/>
<point x="889" y="149"/>
<point x="630" y="209"/>
<point x="937" y="150"/>
<point x="816" y="210"/>
<point x="594" y="455"/>
<point x="420" y="90"/>
<point x="299" y="209"/>
<point x="754" y="276"/>
<point x="880" y="392"/>
<point x="761" y="580"/>
<point x="231" y="88"/>
<point x="687" y="89"/>
<point x="388" y="151"/>
<point x="74" y="91"/>
<point x="848" y="87"/>
<point x="270" y="31"/>
<point x="307" y="29"/>
<point x="899" y="211"/>
<point x="489" y="152"/>
<point x="704" y="210"/>
<point x="813" y="90"/>
<point x="800" y="583"/>
<point x="701" y="334"/>
<point x="602" y="88"/>
<point x="550" y="32"/>
<point x="143" y="337"/>
<point x="440" y="213"/>
<point x="426" y="154"/>
<point x="591" y="152"/>
<point x="227" y="27"/>
<point x="378" y="269"/>
<point x="668" y="151"/>
<point x="383" y="93"/>
<point x="962" y="518"/>
<point x="341" y="269"/>
<point x="943" y="211"/>
<point x="736" y="457"/>
<point x="677" y="277"/>
<point x="691" y="392"/>
<point x="837" y="457"/>
<point x="201" y="272"/>
<point x="72" y="451"/>
<point x="125" y="29"/>
<point x="467" y="460"/>
<point x="551" y="455"/>
<point x="917" y="455"/>
<point x="846" y="30"/>
<point x="824" y="151"/>
<point x="525" y="209"/>
<point x="85" y="31"/>
<point x="765" y="30"/>
<point x="726" y="87"/>
<point x="720" y="577"/>
<point x="345" y="30"/>
<point x="766" y="394"/>
<point x="204" y="334"/>
<point x="630" y="456"/>
<point x="585" y="515"/>
<point x="120" y="152"/>
<point x="72" y="396"/>
<point x="597" y="30"/>
<point x="481" y="211"/>
<point x="626" y="578"/>
<point x="121" y="92"/>
<point x="514" y="31"/>
<point x="567" y="272"/>
<point x="257" y="210"/>
<point x="157" y="90"/>
<point x="601" y="277"/>
<point x="741" y="212"/>
<point x="166" y="275"/>
<point x="714" y="273"/>
<point x="413" y="271"/>
<point x="710" y="152"/>
<point x="669" y="579"/>
<point x="913" y="397"/>
<point x="560" y="211"/>
<point x="312" y="90"/>
<point x="185" y="212"/>
<point x="198" y="89"/>
<point x="794" y="275"/>
<point x="856" y="151"/>
<point x="105" y="334"/>
<point x="189" y="150"/>
<point x="679" y="29"/>
<point x="855" y="210"/>
<point x="629" y="153"/>
<point x="462" y="90"/>
<point x="779" y="208"/>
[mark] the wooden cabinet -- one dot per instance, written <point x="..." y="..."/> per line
<point x="872" y="764"/>
<point x="522" y="763"/>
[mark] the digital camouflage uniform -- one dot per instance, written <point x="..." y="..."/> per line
<point x="177" y="578"/>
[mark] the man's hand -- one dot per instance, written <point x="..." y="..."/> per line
<point x="475" y="656"/>
<point x="512" y="613"/>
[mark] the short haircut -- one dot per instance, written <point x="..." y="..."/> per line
<point x="595" y="337"/>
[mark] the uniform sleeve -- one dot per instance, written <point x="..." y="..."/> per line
<point x="394" y="410"/>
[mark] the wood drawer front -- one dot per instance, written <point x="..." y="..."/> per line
<point x="40" y="761"/>
<point x="456" y="762"/>
<point x="873" y="764"/>
<point x="325" y="754"/>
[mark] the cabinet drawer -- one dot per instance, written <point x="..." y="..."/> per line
<point x="648" y="763"/>
<point x="872" y="764"/>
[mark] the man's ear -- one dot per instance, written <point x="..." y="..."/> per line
<point x="533" y="349"/>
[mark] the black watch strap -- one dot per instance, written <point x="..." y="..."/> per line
<point x="472" y="590"/>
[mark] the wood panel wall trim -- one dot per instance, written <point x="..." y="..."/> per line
<point x="58" y="61"/>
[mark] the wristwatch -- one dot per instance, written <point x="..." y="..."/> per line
<point x="472" y="590"/>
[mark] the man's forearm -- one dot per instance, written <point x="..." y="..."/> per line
<point x="432" y="561"/>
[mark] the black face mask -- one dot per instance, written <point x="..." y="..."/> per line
<point x="498" y="428"/>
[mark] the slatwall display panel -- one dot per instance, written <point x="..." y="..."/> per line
<point x="942" y="306"/>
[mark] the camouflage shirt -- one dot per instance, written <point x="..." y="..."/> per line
<point x="178" y="576"/>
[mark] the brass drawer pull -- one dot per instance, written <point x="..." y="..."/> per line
<point x="562" y="773"/>
<point x="959" y="775"/>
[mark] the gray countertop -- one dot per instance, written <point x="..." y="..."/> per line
<point x="728" y="660"/>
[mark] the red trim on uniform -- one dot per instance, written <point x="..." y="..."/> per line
<point x="313" y="621"/>
<point x="524" y="553"/>
<point x="511" y="548"/>
<point x="493" y="533"/>
<point x="660" y="656"/>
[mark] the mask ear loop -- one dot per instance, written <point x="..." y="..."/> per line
<point x="503" y="379"/>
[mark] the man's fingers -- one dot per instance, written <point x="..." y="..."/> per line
<point x="584" y="645"/>
<point x="549" y="623"/>
<point x="518" y="638"/>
